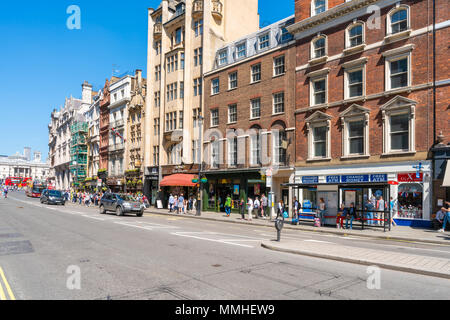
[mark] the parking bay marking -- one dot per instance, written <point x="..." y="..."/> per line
<point x="6" y="284"/>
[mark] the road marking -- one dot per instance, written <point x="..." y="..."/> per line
<point x="91" y="217"/>
<point x="8" y="288"/>
<point x="212" y="240"/>
<point x="2" y="293"/>
<point x="318" y="241"/>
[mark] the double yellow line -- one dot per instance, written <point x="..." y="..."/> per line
<point x="4" y="284"/>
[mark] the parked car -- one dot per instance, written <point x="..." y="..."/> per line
<point x="53" y="197"/>
<point x="121" y="204"/>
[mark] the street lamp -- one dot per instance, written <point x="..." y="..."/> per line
<point x="200" y="138"/>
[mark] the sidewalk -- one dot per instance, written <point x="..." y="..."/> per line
<point x="435" y="267"/>
<point x="397" y="233"/>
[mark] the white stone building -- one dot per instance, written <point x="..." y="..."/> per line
<point x="60" y="136"/>
<point x="22" y="166"/>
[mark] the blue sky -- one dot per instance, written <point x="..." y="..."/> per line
<point x="42" y="61"/>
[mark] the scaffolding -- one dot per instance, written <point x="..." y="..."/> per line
<point x="79" y="151"/>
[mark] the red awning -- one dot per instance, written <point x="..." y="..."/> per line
<point x="178" y="180"/>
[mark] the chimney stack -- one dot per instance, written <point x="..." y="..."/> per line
<point x="139" y="77"/>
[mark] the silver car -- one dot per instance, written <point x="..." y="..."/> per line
<point x="121" y="204"/>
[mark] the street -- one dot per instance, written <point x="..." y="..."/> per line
<point x="158" y="257"/>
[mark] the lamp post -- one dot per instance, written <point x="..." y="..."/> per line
<point x="200" y="184"/>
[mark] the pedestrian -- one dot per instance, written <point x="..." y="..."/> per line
<point x="392" y="207"/>
<point x="340" y="217"/>
<point x="296" y="209"/>
<point x="351" y="215"/>
<point x="446" y="209"/>
<point x="322" y="211"/>
<point x="250" y="208"/>
<point x="228" y="206"/>
<point x="242" y="208"/>
<point x="381" y="207"/>
<point x="264" y="204"/>
<point x="256" y="206"/>
<point x="171" y="202"/>
<point x="281" y="208"/>
<point x="175" y="204"/>
<point x="369" y="214"/>
<point x="181" y="204"/>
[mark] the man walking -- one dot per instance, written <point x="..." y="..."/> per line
<point x="228" y="206"/>
<point x="250" y="208"/>
<point x="256" y="206"/>
<point x="171" y="202"/>
<point x="264" y="203"/>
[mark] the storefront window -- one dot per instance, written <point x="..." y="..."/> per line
<point x="309" y="200"/>
<point x="410" y="200"/>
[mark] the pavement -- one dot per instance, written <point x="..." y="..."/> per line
<point x="398" y="233"/>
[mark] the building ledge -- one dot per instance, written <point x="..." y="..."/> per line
<point x="397" y="36"/>
<point x="355" y="49"/>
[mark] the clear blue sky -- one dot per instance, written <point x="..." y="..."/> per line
<point x="42" y="62"/>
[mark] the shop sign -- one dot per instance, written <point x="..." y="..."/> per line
<point x="410" y="177"/>
<point x="355" y="178"/>
<point x="269" y="182"/>
<point x="378" y="178"/>
<point x="310" y="180"/>
<point x="333" y="179"/>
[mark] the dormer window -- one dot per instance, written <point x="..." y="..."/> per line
<point x="264" y="41"/>
<point x="241" y="50"/>
<point x="223" y="57"/>
<point x="318" y="6"/>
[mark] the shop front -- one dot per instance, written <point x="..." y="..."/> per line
<point x="237" y="184"/>
<point x="151" y="184"/>
<point x="406" y="185"/>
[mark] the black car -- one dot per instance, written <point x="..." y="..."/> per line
<point x="53" y="197"/>
<point x="121" y="204"/>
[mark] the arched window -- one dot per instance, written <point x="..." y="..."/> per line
<point x="255" y="145"/>
<point x="398" y="20"/>
<point x="355" y="35"/>
<point x="279" y="143"/>
<point x="318" y="47"/>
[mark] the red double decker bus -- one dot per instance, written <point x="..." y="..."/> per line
<point x="16" y="182"/>
<point x="34" y="188"/>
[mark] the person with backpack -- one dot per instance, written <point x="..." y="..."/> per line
<point x="228" y="205"/>
<point x="256" y="207"/>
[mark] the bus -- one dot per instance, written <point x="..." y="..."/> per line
<point x="16" y="182"/>
<point x="34" y="188"/>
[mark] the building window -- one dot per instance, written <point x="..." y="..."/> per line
<point x="256" y="73"/>
<point x="182" y="60"/>
<point x="278" y="103"/>
<point x="157" y="99"/>
<point x="320" y="141"/>
<point x="398" y="70"/>
<point x="195" y="149"/>
<point x="181" y="90"/>
<point x="232" y="113"/>
<point x="278" y="66"/>
<point x="354" y="82"/>
<point x="255" y="148"/>
<point x="241" y="50"/>
<point x="223" y="57"/>
<point x="398" y="21"/>
<point x="355" y="35"/>
<point x="399" y="125"/>
<point x="279" y="146"/>
<point x="215" y="154"/>
<point x="215" y="86"/>
<point x="156" y="126"/>
<point x="319" y="6"/>
<point x="198" y="27"/>
<point x="286" y="36"/>
<point x="197" y="87"/>
<point x="264" y="41"/>
<point x="214" y="117"/>
<point x="319" y="91"/>
<point x="180" y="120"/>
<point x="399" y="133"/>
<point x="156" y="155"/>
<point x="195" y="116"/>
<point x="232" y="151"/>
<point x="198" y="57"/>
<point x="232" y="80"/>
<point x="178" y="33"/>
<point x="356" y="137"/>
<point x="319" y="48"/>
<point x="255" y="109"/>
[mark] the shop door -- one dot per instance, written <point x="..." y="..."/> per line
<point x="285" y="198"/>
<point x="331" y="201"/>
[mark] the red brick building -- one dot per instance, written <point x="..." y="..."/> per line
<point x="249" y="117"/>
<point x="365" y="92"/>
<point x="104" y="127"/>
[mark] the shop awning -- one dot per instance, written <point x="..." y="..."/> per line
<point x="446" y="182"/>
<point x="178" y="180"/>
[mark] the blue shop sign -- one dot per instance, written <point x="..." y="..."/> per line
<point x="355" y="178"/>
<point x="333" y="179"/>
<point x="310" y="180"/>
<point x="378" y="178"/>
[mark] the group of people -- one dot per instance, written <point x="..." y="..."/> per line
<point x="93" y="198"/>
<point x="180" y="205"/>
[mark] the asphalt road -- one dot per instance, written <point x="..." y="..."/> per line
<point x="158" y="257"/>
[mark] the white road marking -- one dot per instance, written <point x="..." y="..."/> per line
<point x="318" y="241"/>
<point x="91" y="217"/>
<point x="179" y="234"/>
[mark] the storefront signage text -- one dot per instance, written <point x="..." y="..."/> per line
<point x="310" y="180"/>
